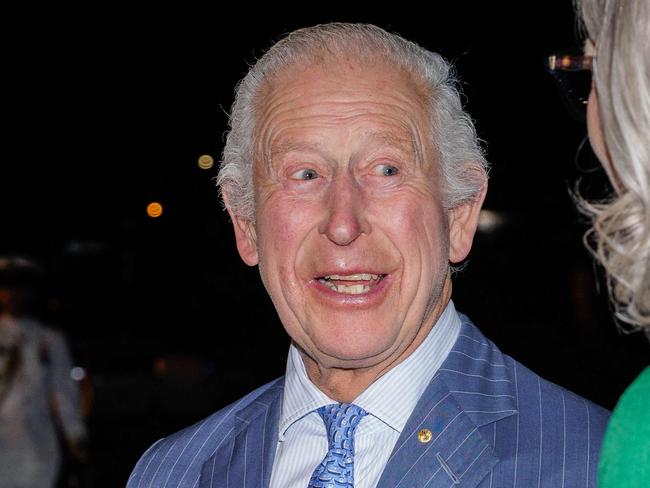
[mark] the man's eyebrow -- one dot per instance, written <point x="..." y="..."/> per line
<point x="391" y="139"/>
<point x="293" y="146"/>
<point x="407" y="145"/>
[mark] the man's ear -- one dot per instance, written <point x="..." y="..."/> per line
<point x="463" y="221"/>
<point x="245" y="235"/>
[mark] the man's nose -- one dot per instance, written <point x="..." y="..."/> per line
<point x="345" y="219"/>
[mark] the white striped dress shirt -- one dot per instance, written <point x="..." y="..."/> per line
<point x="389" y="401"/>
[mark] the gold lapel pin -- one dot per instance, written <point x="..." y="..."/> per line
<point x="425" y="436"/>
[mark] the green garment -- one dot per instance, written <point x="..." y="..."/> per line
<point x="625" y="456"/>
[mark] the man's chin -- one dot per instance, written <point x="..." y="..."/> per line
<point x="349" y="356"/>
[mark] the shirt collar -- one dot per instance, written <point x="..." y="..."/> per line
<point x="406" y="382"/>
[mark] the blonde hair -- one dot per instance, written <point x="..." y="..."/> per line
<point x="620" y="233"/>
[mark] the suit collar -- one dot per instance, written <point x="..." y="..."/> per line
<point x="478" y="376"/>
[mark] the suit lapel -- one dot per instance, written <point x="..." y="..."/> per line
<point x="245" y="458"/>
<point x="442" y="444"/>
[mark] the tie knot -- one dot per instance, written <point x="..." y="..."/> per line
<point x="341" y="420"/>
<point x="336" y="470"/>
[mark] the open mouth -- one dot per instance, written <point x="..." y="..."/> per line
<point x="354" y="284"/>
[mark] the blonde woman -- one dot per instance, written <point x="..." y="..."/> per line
<point x="617" y="52"/>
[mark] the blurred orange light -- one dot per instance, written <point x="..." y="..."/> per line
<point x="206" y="161"/>
<point x="160" y="367"/>
<point x="154" y="210"/>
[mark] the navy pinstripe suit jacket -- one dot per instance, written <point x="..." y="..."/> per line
<point x="494" y="424"/>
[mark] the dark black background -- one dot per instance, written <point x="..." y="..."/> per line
<point x="107" y="110"/>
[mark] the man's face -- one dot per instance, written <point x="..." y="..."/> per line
<point x="351" y="236"/>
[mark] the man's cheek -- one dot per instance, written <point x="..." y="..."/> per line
<point x="288" y="234"/>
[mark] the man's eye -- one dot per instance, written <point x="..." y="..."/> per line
<point x="305" y="174"/>
<point x="386" y="170"/>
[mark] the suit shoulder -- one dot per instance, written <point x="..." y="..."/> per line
<point x="176" y="460"/>
<point x="540" y="400"/>
<point x="530" y="384"/>
<point x="535" y="397"/>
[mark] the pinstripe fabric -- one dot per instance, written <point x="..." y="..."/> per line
<point x="303" y="441"/>
<point x="178" y="460"/>
<point x="492" y="421"/>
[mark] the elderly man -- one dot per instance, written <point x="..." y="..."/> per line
<point x="353" y="179"/>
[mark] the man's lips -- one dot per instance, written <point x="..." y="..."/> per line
<point x="351" y="284"/>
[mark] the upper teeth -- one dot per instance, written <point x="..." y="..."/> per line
<point x="355" y="289"/>
<point x="354" y="277"/>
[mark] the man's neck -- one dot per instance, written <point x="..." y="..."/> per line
<point x="346" y="384"/>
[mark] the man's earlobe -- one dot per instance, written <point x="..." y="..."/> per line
<point x="245" y="236"/>
<point x="463" y="221"/>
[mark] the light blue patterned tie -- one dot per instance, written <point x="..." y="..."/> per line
<point x="336" y="470"/>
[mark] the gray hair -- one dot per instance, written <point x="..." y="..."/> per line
<point x="463" y="166"/>
<point x="620" y="234"/>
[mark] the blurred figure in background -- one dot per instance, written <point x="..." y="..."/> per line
<point x="37" y="394"/>
<point x="617" y="52"/>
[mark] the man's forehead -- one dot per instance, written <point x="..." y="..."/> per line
<point x="402" y="140"/>
<point x="380" y="103"/>
<point x="379" y="73"/>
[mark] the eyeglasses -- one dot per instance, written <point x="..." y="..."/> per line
<point x="572" y="73"/>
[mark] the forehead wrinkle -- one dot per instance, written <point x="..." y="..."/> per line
<point x="405" y="133"/>
<point x="289" y="146"/>
<point x="404" y="144"/>
<point x="279" y="102"/>
<point x="282" y="110"/>
<point x="404" y="139"/>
